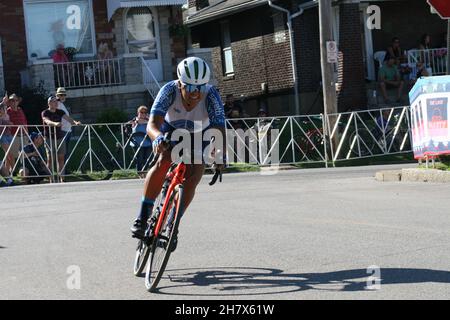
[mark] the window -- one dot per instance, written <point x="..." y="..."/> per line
<point x="278" y="28"/>
<point x="141" y="32"/>
<point x="63" y="22"/>
<point x="227" y="53"/>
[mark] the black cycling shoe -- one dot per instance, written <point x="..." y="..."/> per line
<point x="175" y="242"/>
<point x="138" y="229"/>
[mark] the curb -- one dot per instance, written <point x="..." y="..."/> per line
<point x="414" y="175"/>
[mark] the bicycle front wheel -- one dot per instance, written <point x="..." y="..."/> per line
<point x="164" y="241"/>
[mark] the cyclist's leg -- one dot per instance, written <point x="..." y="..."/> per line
<point x="152" y="187"/>
<point x="194" y="175"/>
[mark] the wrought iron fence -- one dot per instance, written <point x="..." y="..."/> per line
<point x="259" y="141"/>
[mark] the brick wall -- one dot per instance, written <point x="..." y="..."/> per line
<point x="103" y="27"/>
<point x="257" y="58"/>
<point x="352" y="94"/>
<point x="12" y="34"/>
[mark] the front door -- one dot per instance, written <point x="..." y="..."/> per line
<point x="142" y="35"/>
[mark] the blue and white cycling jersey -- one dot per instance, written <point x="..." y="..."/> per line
<point x="209" y="111"/>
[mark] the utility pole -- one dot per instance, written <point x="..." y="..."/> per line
<point x="328" y="81"/>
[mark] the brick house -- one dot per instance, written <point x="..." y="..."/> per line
<point x="141" y="36"/>
<point x="250" y="51"/>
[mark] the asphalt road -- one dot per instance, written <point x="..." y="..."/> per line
<point x="303" y="234"/>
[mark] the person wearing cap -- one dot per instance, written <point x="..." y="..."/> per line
<point x="66" y="127"/>
<point x="54" y="136"/>
<point x="6" y="138"/>
<point x="18" y="118"/>
<point x="35" y="169"/>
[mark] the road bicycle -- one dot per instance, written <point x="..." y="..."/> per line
<point x="160" y="238"/>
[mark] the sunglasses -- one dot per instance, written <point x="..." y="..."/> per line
<point x="191" y="88"/>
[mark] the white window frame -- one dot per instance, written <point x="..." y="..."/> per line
<point x="225" y="33"/>
<point x="279" y="30"/>
<point x="91" y="18"/>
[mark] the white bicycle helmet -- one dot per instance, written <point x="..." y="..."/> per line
<point x="193" y="71"/>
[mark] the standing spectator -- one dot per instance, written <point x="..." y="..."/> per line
<point x="18" y="118"/>
<point x="66" y="127"/>
<point x="395" y="51"/>
<point x="140" y="141"/>
<point x="60" y="56"/>
<point x="55" y="146"/>
<point x="389" y="78"/>
<point x="425" y="42"/>
<point x="6" y="138"/>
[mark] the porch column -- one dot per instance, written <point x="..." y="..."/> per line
<point x="42" y="72"/>
<point x="2" y="81"/>
<point x="351" y="79"/>
<point x="133" y="72"/>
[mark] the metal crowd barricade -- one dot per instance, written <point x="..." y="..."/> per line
<point x="259" y="141"/>
<point x="369" y="133"/>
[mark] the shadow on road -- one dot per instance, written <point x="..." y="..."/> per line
<point x="229" y="281"/>
<point x="1" y="247"/>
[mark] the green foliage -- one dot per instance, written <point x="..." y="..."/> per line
<point x="445" y="160"/>
<point x="124" y="175"/>
<point x="113" y="116"/>
<point x="33" y="103"/>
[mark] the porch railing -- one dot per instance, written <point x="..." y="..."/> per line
<point x="433" y="59"/>
<point x="88" y="74"/>
<point x="151" y="84"/>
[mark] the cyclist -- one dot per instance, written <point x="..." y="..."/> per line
<point x="189" y="103"/>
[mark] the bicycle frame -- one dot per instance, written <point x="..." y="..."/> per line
<point x="176" y="177"/>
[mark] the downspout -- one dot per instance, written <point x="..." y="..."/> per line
<point x="290" y="17"/>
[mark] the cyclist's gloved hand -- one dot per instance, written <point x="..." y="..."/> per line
<point x="158" y="145"/>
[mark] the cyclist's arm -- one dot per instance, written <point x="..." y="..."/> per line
<point x="216" y="114"/>
<point x="165" y="98"/>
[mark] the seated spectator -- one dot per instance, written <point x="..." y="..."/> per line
<point x="6" y="138"/>
<point x="35" y="169"/>
<point x="5" y="175"/>
<point x="389" y="78"/>
<point x="60" y="56"/>
<point x="52" y="120"/>
<point x="394" y="51"/>
<point x="140" y="141"/>
<point x="421" y="71"/>
<point x="18" y="118"/>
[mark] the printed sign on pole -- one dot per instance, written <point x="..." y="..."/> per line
<point x="332" y="53"/>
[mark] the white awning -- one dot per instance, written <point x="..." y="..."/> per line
<point x="113" y="5"/>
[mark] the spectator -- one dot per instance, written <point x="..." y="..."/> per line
<point x="55" y="146"/>
<point x="389" y="78"/>
<point x="4" y="175"/>
<point x="230" y="104"/>
<point x="140" y="141"/>
<point x="425" y="42"/>
<point x="104" y="53"/>
<point x="35" y="169"/>
<point x="18" y="118"/>
<point x="421" y="71"/>
<point x="6" y="138"/>
<point x="236" y="113"/>
<point x="394" y="51"/>
<point x="66" y="127"/>
<point x="60" y="56"/>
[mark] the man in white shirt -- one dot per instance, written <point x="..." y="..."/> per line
<point x="66" y="127"/>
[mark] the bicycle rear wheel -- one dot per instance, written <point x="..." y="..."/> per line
<point x="163" y="242"/>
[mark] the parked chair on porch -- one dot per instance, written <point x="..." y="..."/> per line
<point x="379" y="57"/>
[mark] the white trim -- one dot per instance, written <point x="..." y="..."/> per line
<point x="370" y="63"/>
<point x="113" y="5"/>
<point x="92" y="21"/>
